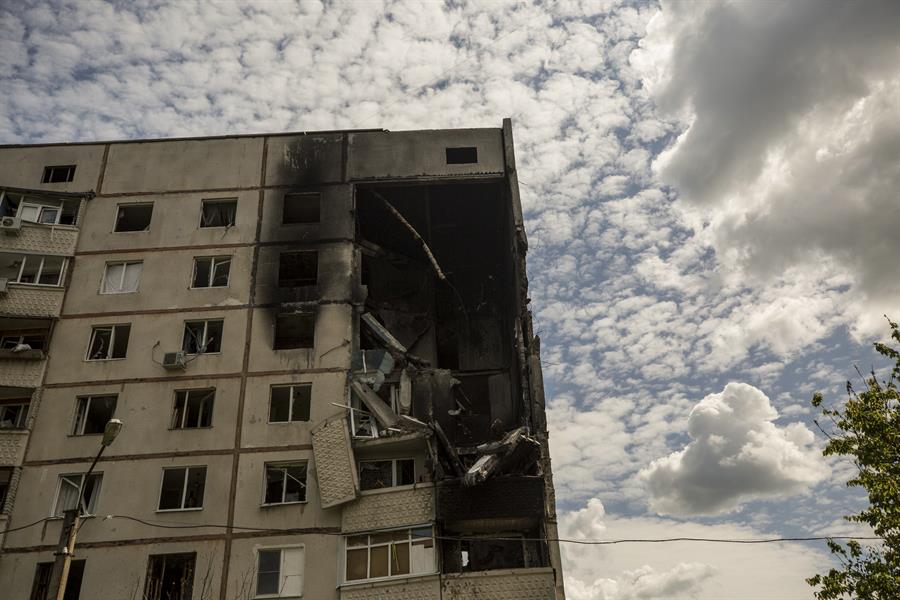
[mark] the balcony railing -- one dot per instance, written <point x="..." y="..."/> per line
<point x="414" y="588"/>
<point x="39" y="301"/>
<point x="12" y="446"/>
<point x="38" y="238"/>
<point x="503" y="584"/>
<point x="19" y="373"/>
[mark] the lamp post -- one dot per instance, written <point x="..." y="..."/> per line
<point x="72" y="519"/>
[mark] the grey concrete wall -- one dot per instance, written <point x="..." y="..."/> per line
<point x="23" y="167"/>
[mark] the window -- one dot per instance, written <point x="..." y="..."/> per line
<point x="285" y="483"/>
<point x="13" y="415"/>
<point x="376" y="474"/>
<point x="13" y="340"/>
<point x="182" y="488"/>
<point x="289" y="403"/>
<point x="92" y="413"/>
<point x="36" y="209"/>
<point x="40" y="589"/>
<point x="121" y="277"/>
<point x="294" y="330"/>
<point x="211" y="271"/>
<point x="58" y="174"/>
<point x="202" y="337"/>
<point x="462" y="156"/>
<point x="5" y="478"/>
<point x="279" y="572"/>
<point x="108" y="342"/>
<point x="33" y="269"/>
<point x="389" y="554"/>
<point x="69" y="490"/>
<point x="300" y="208"/>
<point x="133" y="217"/>
<point x="193" y="409"/>
<point x="170" y="577"/>
<point x="218" y="213"/>
<point x="297" y="269"/>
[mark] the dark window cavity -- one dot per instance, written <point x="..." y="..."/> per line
<point x="170" y="577"/>
<point x="92" y="413"/>
<point x="218" y="213"/>
<point x="133" y="217"/>
<point x="13" y="416"/>
<point x="40" y="589"/>
<point x="294" y="330"/>
<point x="202" y="337"/>
<point x="193" y="409"/>
<point x="290" y="403"/>
<point x="182" y="488"/>
<point x="58" y="174"/>
<point x="462" y="156"/>
<point x="285" y="483"/>
<point x="301" y="208"/>
<point x="296" y="269"/>
<point x="211" y="271"/>
<point x="376" y="474"/>
<point x="109" y="341"/>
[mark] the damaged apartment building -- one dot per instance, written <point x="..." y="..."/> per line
<point x="321" y="349"/>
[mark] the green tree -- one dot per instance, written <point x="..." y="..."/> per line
<point x="866" y="429"/>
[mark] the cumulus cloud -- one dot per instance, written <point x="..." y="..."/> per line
<point x="736" y="453"/>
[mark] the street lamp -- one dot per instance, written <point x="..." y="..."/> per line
<point x="72" y="518"/>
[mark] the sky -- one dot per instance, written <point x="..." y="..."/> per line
<point x="711" y="202"/>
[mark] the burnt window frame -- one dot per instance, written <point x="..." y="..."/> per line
<point x="50" y="170"/>
<point x="308" y="281"/>
<point x="307" y="194"/>
<point x="312" y="315"/>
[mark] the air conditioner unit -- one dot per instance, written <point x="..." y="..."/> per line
<point x="174" y="361"/>
<point x="11" y="225"/>
<point x="4" y="286"/>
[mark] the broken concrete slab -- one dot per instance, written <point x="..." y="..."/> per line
<point x="335" y="462"/>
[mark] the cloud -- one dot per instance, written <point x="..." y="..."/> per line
<point x="736" y="453"/>
<point x="669" y="571"/>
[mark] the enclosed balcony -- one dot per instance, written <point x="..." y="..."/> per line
<point x="31" y="285"/>
<point x="39" y="222"/>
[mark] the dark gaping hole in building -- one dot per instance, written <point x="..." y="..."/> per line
<point x="170" y="577"/>
<point x="294" y="330"/>
<point x="300" y="207"/>
<point x="462" y="156"/>
<point x="296" y="269"/>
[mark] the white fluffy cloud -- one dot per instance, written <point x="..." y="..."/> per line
<point x="736" y="453"/>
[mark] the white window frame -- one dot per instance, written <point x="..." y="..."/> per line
<point x="78" y="428"/>
<point x="90" y="505"/>
<point x="40" y="211"/>
<point x="203" y="341"/>
<point x="21" y="418"/>
<point x="213" y="262"/>
<point x="292" y="593"/>
<point x="285" y="463"/>
<point x="394" y="473"/>
<point x="186" y="470"/>
<point x="40" y="271"/>
<point x="188" y="393"/>
<point x="290" y="402"/>
<point x="124" y="264"/>
<point x="112" y="341"/>
<point x="369" y="545"/>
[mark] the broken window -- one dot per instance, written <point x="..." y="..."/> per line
<point x="389" y="554"/>
<point x="202" y="337"/>
<point x="121" y="277"/>
<point x="13" y="415"/>
<point x="69" y="491"/>
<point x="285" y="483"/>
<point x="297" y="269"/>
<point x="133" y="217"/>
<point x="279" y="572"/>
<point x="5" y="478"/>
<point x="108" y="342"/>
<point x="193" y="409"/>
<point x="182" y="488"/>
<point x="92" y="413"/>
<point x="58" y="174"/>
<point x="40" y="589"/>
<point x="376" y="474"/>
<point x="462" y="156"/>
<point x="289" y="403"/>
<point x="300" y="208"/>
<point x="218" y="213"/>
<point x="485" y="554"/>
<point x="32" y="269"/>
<point x="211" y="271"/>
<point x="38" y="209"/>
<point x="170" y="577"/>
<point x="18" y="340"/>
<point x="294" y="330"/>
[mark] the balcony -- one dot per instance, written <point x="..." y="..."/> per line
<point x="503" y="584"/>
<point x="34" y="237"/>
<point x="389" y="507"/>
<point x="12" y="447"/>
<point x="413" y="588"/>
<point x="24" y="300"/>
<point x="15" y="372"/>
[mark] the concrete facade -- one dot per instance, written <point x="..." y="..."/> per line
<point x="321" y="444"/>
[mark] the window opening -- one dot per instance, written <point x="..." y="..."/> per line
<point x="32" y="269"/>
<point x="121" y="277"/>
<point x="211" y="271"/>
<point x="296" y="269"/>
<point x="279" y="572"/>
<point x="40" y="589"/>
<point x="377" y="474"/>
<point x="202" y="337"/>
<point x="69" y="490"/>
<point x="13" y="416"/>
<point x="108" y="342"/>
<point x="193" y="409"/>
<point x="302" y="207"/>
<point x="462" y="156"/>
<point x="294" y="330"/>
<point x="218" y="213"/>
<point x="389" y="554"/>
<point x="133" y="217"/>
<point x="182" y="488"/>
<point x="17" y="340"/>
<point x="290" y="403"/>
<point x="170" y="577"/>
<point x="92" y="413"/>
<point x="58" y="174"/>
<point x="5" y="478"/>
<point x="285" y="483"/>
